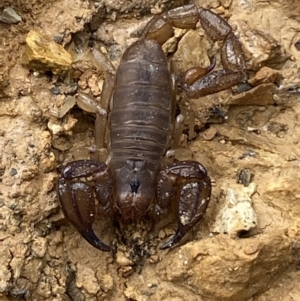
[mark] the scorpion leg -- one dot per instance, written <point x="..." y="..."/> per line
<point x="89" y="104"/>
<point x="190" y="201"/>
<point x="80" y="184"/>
<point x="102" y="63"/>
<point x="187" y="117"/>
<point x="101" y="129"/>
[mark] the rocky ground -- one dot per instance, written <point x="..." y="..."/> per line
<point x="246" y="247"/>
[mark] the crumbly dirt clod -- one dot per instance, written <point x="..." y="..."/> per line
<point x="251" y="127"/>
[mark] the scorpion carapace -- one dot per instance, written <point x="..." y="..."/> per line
<point x="133" y="191"/>
<point x="135" y="181"/>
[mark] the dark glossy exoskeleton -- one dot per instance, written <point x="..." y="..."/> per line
<point x="135" y="180"/>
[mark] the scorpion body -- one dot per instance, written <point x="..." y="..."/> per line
<point x="140" y="125"/>
<point x="136" y="181"/>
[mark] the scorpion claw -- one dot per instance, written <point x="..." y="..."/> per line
<point x="176" y="238"/>
<point x="79" y="208"/>
<point x="193" y="198"/>
<point x="77" y="197"/>
<point x="91" y="237"/>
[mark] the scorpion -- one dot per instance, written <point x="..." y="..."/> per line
<point x="136" y="181"/>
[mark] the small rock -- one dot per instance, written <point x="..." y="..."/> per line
<point x="136" y="235"/>
<point x="43" y="54"/>
<point x="187" y="55"/>
<point x="251" y="248"/>
<point x="237" y="214"/>
<point x="86" y="279"/>
<point x="161" y="234"/>
<point x="169" y="231"/>
<point x="261" y="95"/>
<point x="39" y="246"/>
<point x="131" y="293"/>
<point x="209" y="134"/>
<point x="61" y="143"/>
<point x="154" y="259"/>
<point x="55" y="90"/>
<point x="244" y="176"/>
<point x="58" y="290"/>
<point x="183" y="154"/>
<point x="170" y="45"/>
<point x="9" y="16"/>
<point x="13" y="172"/>
<point x="122" y="260"/>
<point x="264" y="76"/>
<point x="260" y="46"/>
<point x="54" y="127"/>
<point x="106" y="283"/>
<point x="226" y="3"/>
<point x="126" y="271"/>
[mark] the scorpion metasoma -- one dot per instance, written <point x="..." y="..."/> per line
<point x="135" y="181"/>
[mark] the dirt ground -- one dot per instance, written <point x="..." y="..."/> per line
<point x="247" y="247"/>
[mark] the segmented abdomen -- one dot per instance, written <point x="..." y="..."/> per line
<point x="141" y="114"/>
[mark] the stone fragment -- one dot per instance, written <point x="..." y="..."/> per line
<point x="39" y="246"/>
<point x="122" y="260"/>
<point x="225" y="269"/>
<point x="264" y="76"/>
<point x="244" y="176"/>
<point x="209" y="134"/>
<point x="10" y="16"/>
<point x="226" y="3"/>
<point x="154" y="258"/>
<point x="43" y="54"/>
<point x="182" y="154"/>
<point x="283" y="192"/>
<point x="131" y="293"/>
<point x="260" y="95"/>
<point x="106" y="282"/>
<point x="191" y="52"/>
<point x="237" y="214"/>
<point x="260" y="47"/>
<point x="86" y="279"/>
<point x="5" y="273"/>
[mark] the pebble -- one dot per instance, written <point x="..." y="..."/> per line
<point x="209" y="134"/>
<point x="13" y="172"/>
<point x="43" y="54"/>
<point x="10" y="16"/>
<point x="122" y="260"/>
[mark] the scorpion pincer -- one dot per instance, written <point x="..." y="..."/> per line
<point x="135" y="181"/>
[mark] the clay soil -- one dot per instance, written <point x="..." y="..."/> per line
<point x="250" y="133"/>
